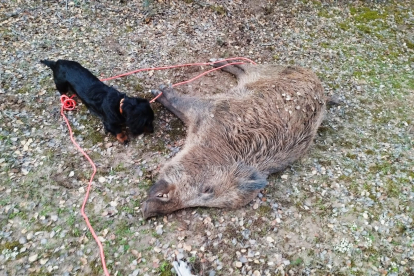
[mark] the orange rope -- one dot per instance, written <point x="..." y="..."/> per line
<point x="183" y="65"/>
<point x="69" y="104"/>
<point x="177" y="66"/>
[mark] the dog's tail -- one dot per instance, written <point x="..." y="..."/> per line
<point x="49" y="63"/>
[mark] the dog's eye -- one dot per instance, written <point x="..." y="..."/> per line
<point x="159" y="195"/>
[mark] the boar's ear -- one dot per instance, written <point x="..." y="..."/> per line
<point x="255" y="181"/>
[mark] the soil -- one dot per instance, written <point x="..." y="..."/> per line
<point x="346" y="208"/>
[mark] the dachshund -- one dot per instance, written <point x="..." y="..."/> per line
<point x="115" y="109"/>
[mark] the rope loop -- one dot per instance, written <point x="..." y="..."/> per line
<point x="67" y="103"/>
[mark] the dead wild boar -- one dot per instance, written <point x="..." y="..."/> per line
<point x="235" y="140"/>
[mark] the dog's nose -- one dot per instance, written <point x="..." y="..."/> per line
<point x="148" y="129"/>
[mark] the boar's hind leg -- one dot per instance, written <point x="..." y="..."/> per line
<point x="236" y="69"/>
<point x="180" y="105"/>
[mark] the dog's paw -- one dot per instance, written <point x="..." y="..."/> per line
<point x="122" y="138"/>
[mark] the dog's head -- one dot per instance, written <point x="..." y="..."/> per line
<point x="139" y="115"/>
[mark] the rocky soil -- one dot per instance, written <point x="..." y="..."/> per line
<point x="345" y="209"/>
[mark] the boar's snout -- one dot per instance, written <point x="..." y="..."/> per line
<point x="149" y="209"/>
<point x="162" y="199"/>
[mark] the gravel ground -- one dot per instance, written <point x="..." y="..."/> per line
<point x="345" y="209"/>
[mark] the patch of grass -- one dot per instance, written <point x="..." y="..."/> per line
<point x="264" y="210"/>
<point x="297" y="262"/>
<point x="165" y="269"/>
<point x="324" y="13"/>
<point x="393" y="189"/>
<point x="365" y="14"/>
<point x="10" y="246"/>
<point x="409" y="43"/>
<point x="344" y="26"/>
<point x="218" y="9"/>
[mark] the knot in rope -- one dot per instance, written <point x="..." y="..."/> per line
<point x="67" y="103"/>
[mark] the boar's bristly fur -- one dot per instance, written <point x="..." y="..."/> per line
<point x="235" y="140"/>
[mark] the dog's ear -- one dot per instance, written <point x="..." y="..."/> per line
<point x="139" y="115"/>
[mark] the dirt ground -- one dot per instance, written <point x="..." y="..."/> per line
<point x="346" y="208"/>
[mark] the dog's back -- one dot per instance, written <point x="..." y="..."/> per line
<point x="71" y="76"/>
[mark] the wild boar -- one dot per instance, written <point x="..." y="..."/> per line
<point x="235" y="140"/>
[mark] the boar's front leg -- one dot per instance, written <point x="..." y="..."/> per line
<point x="186" y="108"/>
<point x="235" y="69"/>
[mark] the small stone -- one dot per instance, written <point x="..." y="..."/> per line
<point x="255" y="206"/>
<point x="256" y="273"/>
<point x="84" y="261"/>
<point x="72" y="173"/>
<point x="29" y="235"/>
<point x="157" y="249"/>
<point x="22" y="240"/>
<point x="159" y="230"/>
<point x="101" y="179"/>
<point x="32" y="258"/>
<point x="270" y="239"/>
<point x="239" y="264"/>
<point x="243" y="259"/>
<point x="54" y="217"/>
<point x="43" y="261"/>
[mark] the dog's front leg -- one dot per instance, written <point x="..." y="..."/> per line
<point x="117" y="131"/>
<point x="122" y="138"/>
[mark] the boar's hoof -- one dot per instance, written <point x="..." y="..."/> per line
<point x="155" y="92"/>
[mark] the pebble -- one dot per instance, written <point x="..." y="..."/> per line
<point x="239" y="264"/>
<point x="32" y="258"/>
<point x="43" y="261"/>
<point x="135" y="272"/>
<point x="22" y="240"/>
<point x="243" y="259"/>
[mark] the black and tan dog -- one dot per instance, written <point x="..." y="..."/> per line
<point x="115" y="109"/>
